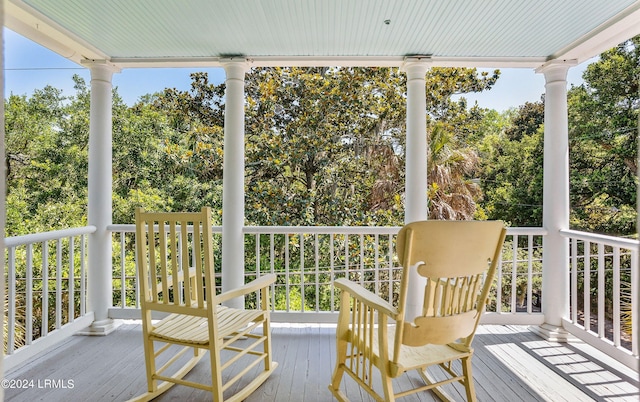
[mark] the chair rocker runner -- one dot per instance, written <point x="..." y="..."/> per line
<point x="176" y="271"/>
<point x="457" y="261"/>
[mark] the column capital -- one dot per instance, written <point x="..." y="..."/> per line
<point x="236" y="67"/>
<point x="416" y="66"/>
<point x="556" y="70"/>
<point x="101" y="69"/>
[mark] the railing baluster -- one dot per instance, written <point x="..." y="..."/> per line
<point x="257" y="237"/>
<point x="45" y="289"/>
<point x="11" y="300"/>
<point x="286" y="271"/>
<point x="317" y="270"/>
<point x="574" y="281"/>
<point x="302" y="298"/>
<point x="58" y="283"/>
<point x="332" y="271"/>
<point x="390" y="279"/>
<point x="72" y="292"/>
<point x="514" y="274"/>
<point x="616" y="296"/>
<point x="376" y="263"/>
<point x="529" y="274"/>
<point x="123" y="274"/>
<point x="273" y="267"/>
<point x="635" y="302"/>
<point x="83" y="290"/>
<point x="346" y="255"/>
<point x="499" y="284"/>
<point x="601" y="293"/>
<point x="29" y="296"/>
<point x="362" y="275"/>
<point x="587" y="286"/>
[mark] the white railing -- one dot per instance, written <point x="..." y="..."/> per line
<point x="604" y="295"/>
<point x="46" y="286"/>
<point x="47" y="279"/>
<point x="307" y="260"/>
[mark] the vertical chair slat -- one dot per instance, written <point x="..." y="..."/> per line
<point x="150" y="274"/>
<point x="198" y="250"/>
<point x="162" y="255"/>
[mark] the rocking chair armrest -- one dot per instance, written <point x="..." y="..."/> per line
<point x="366" y="297"/>
<point x="253" y="286"/>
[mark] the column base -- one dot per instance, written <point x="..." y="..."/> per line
<point x="100" y="328"/>
<point x="551" y="333"/>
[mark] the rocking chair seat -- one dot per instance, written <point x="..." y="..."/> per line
<point x="182" y="328"/>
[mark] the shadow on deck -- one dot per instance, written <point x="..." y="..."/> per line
<point x="510" y="364"/>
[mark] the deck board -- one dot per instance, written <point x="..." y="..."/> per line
<point x="510" y="363"/>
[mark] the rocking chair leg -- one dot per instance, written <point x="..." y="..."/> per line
<point x="468" y="379"/>
<point x="387" y="387"/>
<point x="336" y="379"/>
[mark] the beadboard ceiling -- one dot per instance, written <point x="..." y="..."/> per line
<point x="495" y="33"/>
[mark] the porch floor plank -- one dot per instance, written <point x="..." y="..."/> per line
<point x="510" y="363"/>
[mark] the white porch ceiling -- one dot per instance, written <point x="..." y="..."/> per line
<point x="484" y="33"/>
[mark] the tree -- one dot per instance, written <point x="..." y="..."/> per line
<point x="603" y="134"/>
<point x="452" y="195"/>
<point x="326" y="146"/>
<point x="512" y="169"/>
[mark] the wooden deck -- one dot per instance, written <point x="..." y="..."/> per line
<point x="511" y="364"/>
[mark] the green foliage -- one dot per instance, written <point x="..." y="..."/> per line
<point x="603" y="123"/>
<point x="512" y="168"/>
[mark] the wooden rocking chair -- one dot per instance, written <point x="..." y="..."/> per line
<point x="458" y="260"/>
<point x="176" y="272"/>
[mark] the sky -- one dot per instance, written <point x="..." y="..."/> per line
<point x="29" y="66"/>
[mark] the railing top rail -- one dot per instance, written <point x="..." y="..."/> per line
<point x="524" y="231"/>
<point x="600" y="238"/>
<point x="520" y="231"/>
<point x="47" y="236"/>
<point x="321" y="229"/>
<point x="131" y="228"/>
<point x="287" y="229"/>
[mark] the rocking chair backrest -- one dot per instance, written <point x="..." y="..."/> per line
<point x="175" y="262"/>
<point x="458" y="260"/>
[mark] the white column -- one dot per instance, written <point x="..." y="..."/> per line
<point x="555" y="210"/>
<point x="416" y="202"/>
<point x="233" y="180"/>
<point x="100" y="207"/>
<point x="416" y="152"/>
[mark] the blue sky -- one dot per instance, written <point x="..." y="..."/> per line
<point x="29" y="66"/>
